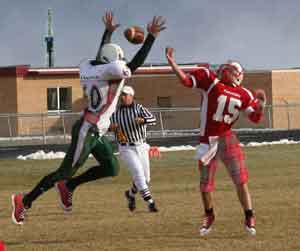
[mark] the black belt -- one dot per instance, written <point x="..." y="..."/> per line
<point x="128" y="144"/>
<point x="132" y="143"/>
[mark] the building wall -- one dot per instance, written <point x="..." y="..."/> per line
<point x="32" y="92"/>
<point x="286" y="90"/>
<point x="148" y="89"/>
<point x="8" y="97"/>
<point x="32" y="98"/>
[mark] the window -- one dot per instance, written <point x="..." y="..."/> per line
<point x="59" y="99"/>
<point x="164" y="101"/>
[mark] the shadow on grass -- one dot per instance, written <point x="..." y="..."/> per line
<point x="59" y="213"/>
<point x="40" y="242"/>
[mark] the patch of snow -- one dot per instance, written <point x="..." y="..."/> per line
<point x="176" y="148"/>
<point x="41" y="155"/>
<point x="278" y="142"/>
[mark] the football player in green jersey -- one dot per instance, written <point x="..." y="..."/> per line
<point x="102" y="80"/>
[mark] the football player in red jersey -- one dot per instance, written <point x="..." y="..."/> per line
<point x="223" y="99"/>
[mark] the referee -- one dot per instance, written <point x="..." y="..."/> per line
<point x="129" y="122"/>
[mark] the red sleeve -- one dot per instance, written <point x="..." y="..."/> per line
<point x="201" y="78"/>
<point x="256" y="113"/>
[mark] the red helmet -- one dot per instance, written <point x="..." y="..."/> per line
<point x="231" y="73"/>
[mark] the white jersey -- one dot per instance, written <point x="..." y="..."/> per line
<point x="102" y="85"/>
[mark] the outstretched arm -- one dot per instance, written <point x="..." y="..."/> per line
<point x="183" y="77"/>
<point x="110" y="27"/>
<point x="154" y="28"/>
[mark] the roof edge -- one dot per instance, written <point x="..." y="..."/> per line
<point x="14" y="70"/>
<point x="26" y="70"/>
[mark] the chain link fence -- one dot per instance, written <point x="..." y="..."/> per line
<point x="55" y="128"/>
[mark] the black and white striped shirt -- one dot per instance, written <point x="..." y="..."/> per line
<point x="125" y="117"/>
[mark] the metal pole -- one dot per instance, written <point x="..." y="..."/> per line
<point x="288" y="113"/>
<point x="64" y="127"/>
<point x="289" y="118"/>
<point x="44" y="129"/>
<point x="161" y="124"/>
<point x="9" y="126"/>
<point x="269" y="117"/>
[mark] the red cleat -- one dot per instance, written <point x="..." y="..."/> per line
<point x="250" y="225"/>
<point x="206" y="227"/>
<point x="19" y="211"/>
<point x="2" y="246"/>
<point x="65" y="196"/>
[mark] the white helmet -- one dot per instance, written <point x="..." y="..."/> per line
<point x="111" y="52"/>
<point x="231" y="73"/>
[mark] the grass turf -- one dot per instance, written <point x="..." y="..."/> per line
<point x="101" y="221"/>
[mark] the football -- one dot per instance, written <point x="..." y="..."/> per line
<point x="260" y="94"/>
<point x="135" y="34"/>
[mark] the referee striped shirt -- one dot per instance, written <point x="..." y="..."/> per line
<point x="125" y="117"/>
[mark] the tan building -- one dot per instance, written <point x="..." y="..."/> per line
<point x="26" y="90"/>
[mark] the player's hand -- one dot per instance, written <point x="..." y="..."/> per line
<point x="140" y="120"/>
<point x="114" y="126"/>
<point x="261" y="96"/>
<point x="109" y="22"/>
<point x="121" y="136"/>
<point x="156" y="25"/>
<point x="170" y="53"/>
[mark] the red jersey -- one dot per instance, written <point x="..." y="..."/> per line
<point x="221" y="104"/>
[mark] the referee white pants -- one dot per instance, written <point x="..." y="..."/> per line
<point x="137" y="161"/>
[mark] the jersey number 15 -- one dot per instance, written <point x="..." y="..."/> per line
<point x="233" y="111"/>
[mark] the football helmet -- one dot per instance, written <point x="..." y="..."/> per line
<point x="111" y="52"/>
<point x="231" y="73"/>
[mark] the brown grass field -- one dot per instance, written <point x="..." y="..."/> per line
<point x="101" y="221"/>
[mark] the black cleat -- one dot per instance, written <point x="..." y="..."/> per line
<point x="152" y="208"/>
<point x="131" y="201"/>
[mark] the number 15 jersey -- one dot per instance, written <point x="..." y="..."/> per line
<point x="221" y="104"/>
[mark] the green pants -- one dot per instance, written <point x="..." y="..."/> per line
<point x="86" y="141"/>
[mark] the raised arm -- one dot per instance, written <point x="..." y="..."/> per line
<point x="154" y="28"/>
<point x="183" y="77"/>
<point x="110" y="27"/>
